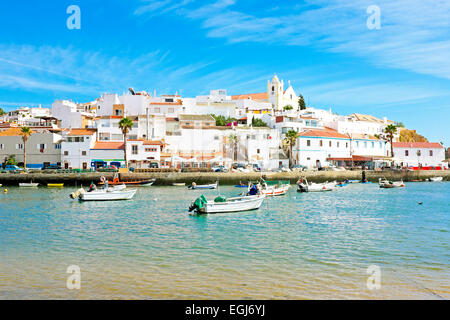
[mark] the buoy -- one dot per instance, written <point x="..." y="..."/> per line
<point x="5" y="190"/>
<point x="420" y="202"/>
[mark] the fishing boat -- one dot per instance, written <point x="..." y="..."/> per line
<point x="179" y="184"/>
<point x="436" y="179"/>
<point x="194" y="186"/>
<point x="221" y="204"/>
<point x="304" y="186"/>
<point x="55" y="185"/>
<point x="28" y="185"/>
<point x="116" y="181"/>
<point x="106" y="194"/>
<point x="341" y="184"/>
<point x="386" y="184"/>
<point x="275" y="188"/>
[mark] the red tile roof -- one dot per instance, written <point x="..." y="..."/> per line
<point x="12" y="132"/>
<point x="253" y="96"/>
<point x="108" y="146"/>
<point x="425" y="145"/>
<point x="82" y="132"/>
<point x="323" y="133"/>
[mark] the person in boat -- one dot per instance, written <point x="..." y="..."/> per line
<point x="253" y="191"/>
<point x="193" y="185"/>
<point x="92" y="187"/>
<point x="346" y="181"/>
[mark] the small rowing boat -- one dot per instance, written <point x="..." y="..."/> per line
<point x="28" y="185"/>
<point x="275" y="188"/>
<point x="386" y="184"/>
<point x="179" y="184"/>
<point x="436" y="179"/>
<point x="222" y="204"/>
<point x="55" y="185"/>
<point x="304" y="186"/>
<point x="194" y="186"/>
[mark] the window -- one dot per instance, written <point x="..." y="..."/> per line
<point x="83" y="153"/>
<point x="373" y="144"/>
<point x="321" y="143"/>
<point x="365" y="144"/>
<point x="57" y="146"/>
<point x="2" y="146"/>
<point x="118" y="112"/>
<point x="381" y="146"/>
<point x="431" y="153"/>
<point x="257" y="151"/>
<point x="66" y="153"/>
<point x="151" y="149"/>
<point x="357" y="144"/>
<point x="419" y="153"/>
<point x="337" y="144"/>
<point x="346" y="144"/>
<point x="406" y="153"/>
<point x="308" y="143"/>
<point x="134" y="149"/>
<point x="69" y="139"/>
<point x="216" y="137"/>
<point x="19" y="146"/>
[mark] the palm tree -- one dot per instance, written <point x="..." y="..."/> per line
<point x="25" y="132"/>
<point x="290" y="140"/>
<point x="234" y="140"/>
<point x="125" y="124"/>
<point x="388" y="136"/>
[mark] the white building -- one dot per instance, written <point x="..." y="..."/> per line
<point x="317" y="147"/>
<point x="69" y="115"/>
<point x="75" y="148"/>
<point x="140" y="153"/>
<point x="42" y="148"/>
<point x="279" y="97"/>
<point x="419" y="154"/>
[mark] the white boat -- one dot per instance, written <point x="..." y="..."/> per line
<point x="386" y="184"/>
<point x="274" y="188"/>
<point x="436" y="179"/>
<point x="179" y="184"/>
<point x="304" y="186"/>
<point x="108" y="194"/>
<point x="28" y="185"/>
<point x="236" y="204"/>
<point x="194" y="186"/>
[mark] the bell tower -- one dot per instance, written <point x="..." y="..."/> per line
<point x="275" y="92"/>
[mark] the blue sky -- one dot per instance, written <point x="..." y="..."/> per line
<point x="324" y="47"/>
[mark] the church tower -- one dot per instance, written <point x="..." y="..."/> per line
<point x="275" y="91"/>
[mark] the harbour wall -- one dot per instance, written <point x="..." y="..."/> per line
<point x="167" y="178"/>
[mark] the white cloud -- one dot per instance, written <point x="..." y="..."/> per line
<point x="414" y="34"/>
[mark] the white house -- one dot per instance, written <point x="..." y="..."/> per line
<point x="140" y="153"/>
<point x="419" y="154"/>
<point x="317" y="147"/>
<point x="76" y="146"/>
<point x="107" y="153"/>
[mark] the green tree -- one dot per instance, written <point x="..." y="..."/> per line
<point x="400" y="125"/>
<point x="258" y="123"/>
<point x="290" y="140"/>
<point x="221" y="121"/>
<point x="388" y="136"/>
<point x="288" y="107"/>
<point x="234" y="141"/>
<point x="125" y="124"/>
<point x="25" y="132"/>
<point x="2" y="112"/>
<point x="301" y="103"/>
<point x="11" y="160"/>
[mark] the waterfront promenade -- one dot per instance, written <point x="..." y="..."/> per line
<point x="230" y="178"/>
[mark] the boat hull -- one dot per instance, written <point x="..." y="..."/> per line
<point x="275" y="191"/>
<point x="107" y="196"/>
<point x="237" y="204"/>
<point x="28" y="185"/>
<point x="206" y="186"/>
<point x="55" y="185"/>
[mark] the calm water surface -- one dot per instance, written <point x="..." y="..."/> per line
<point x="300" y="246"/>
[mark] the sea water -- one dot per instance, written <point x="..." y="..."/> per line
<point x="297" y="246"/>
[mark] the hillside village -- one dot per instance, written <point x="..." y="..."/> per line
<point x="267" y="130"/>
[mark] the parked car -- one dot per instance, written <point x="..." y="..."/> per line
<point x="52" y="167"/>
<point x="299" y="167"/>
<point x="220" y="169"/>
<point x="153" y="165"/>
<point x="256" y="167"/>
<point x="236" y="166"/>
<point x="12" y="168"/>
